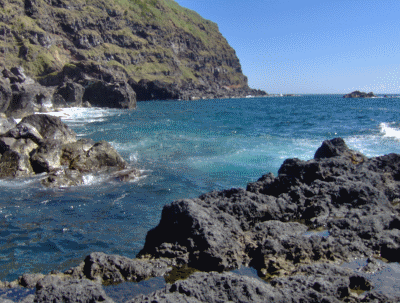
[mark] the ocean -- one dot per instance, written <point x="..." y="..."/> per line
<point x="183" y="149"/>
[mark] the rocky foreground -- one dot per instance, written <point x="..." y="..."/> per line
<point x="295" y="229"/>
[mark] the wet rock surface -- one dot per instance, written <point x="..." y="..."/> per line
<point x="341" y="191"/>
<point x="294" y="229"/>
<point x="44" y="144"/>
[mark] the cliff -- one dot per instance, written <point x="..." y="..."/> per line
<point x="162" y="50"/>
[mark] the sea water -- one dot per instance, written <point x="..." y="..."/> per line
<point x="183" y="149"/>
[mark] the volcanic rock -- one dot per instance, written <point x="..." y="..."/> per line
<point x="341" y="192"/>
<point x="44" y="144"/>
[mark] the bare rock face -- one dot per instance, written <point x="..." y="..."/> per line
<point x="114" y="95"/>
<point x="68" y="94"/>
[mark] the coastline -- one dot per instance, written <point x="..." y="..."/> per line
<point x="243" y="211"/>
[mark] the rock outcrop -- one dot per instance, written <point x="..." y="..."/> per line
<point x="44" y="144"/>
<point x="358" y="94"/>
<point x="107" y="44"/>
<point x="295" y="229"/>
<point x="24" y="96"/>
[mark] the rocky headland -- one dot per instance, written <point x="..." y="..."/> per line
<point x="111" y="53"/>
<point x="358" y="94"/>
<point x="296" y="229"/>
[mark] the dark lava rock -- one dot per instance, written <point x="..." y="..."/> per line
<point x="53" y="289"/>
<point x="358" y="94"/>
<point x="51" y="127"/>
<point x="154" y="90"/>
<point x="68" y="94"/>
<point x="111" y="269"/>
<point x="341" y="191"/>
<point x="100" y="156"/>
<point x="115" y="95"/>
<point x="44" y="144"/>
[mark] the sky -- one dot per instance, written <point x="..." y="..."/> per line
<point x="311" y="46"/>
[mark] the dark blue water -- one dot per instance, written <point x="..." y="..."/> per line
<point x="184" y="149"/>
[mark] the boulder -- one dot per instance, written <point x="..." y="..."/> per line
<point x="68" y="94"/>
<point x="51" y="127"/>
<point x="70" y="151"/>
<point x="47" y="157"/>
<point x="100" y="156"/>
<point x="112" y="269"/>
<point x="44" y="144"/>
<point x="14" y="164"/>
<point x="112" y="95"/>
<point x="63" y="178"/>
<point x="25" y="131"/>
<point x="54" y="289"/>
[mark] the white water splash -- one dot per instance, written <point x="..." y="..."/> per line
<point x="389" y="130"/>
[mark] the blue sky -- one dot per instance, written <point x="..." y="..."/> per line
<point x="310" y="46"/>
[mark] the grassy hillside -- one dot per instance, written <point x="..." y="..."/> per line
<point x="147" y="39"/>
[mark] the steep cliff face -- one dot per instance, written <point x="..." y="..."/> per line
<point x="154" y="42"/>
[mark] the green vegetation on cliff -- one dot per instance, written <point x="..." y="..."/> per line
<point x="147" y="39"/>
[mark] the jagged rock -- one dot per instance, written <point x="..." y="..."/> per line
<point x="125" y="40"/>
<point x="24" y="131"/>
<point x="63" y="178"/>
<point x="51" y="127"/>
<point x="43" y="144"/>
<point x="6" y="124"/>
<point x="100" y="156"/>
<point x="111" y="269"/>
<point x="13" y="164"/>
<point x="30" y="280"/>
<point x="115" y="95"/>
<point x="68" y="94"/>
<point x="154" y="90"/>
<point x="340" y="191"/>
<point x="215" y="287"/>
<point x="54" y="289"/>
<point x="5" y="94"/>
<point x="75" y="149"/>
<point x="358" y="94"/>
<point x="47" y="157"/>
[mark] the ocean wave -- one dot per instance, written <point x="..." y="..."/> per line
<point x="390" y="130"/>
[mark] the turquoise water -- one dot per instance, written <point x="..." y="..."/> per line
<point x="184" y="149"/>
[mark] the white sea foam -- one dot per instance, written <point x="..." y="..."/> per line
<point x="390" y="130"/>
<point x="81" y="115"/>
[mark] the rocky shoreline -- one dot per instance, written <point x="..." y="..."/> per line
<point x="296" y="229"/>
<point x="86" y="85"/>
